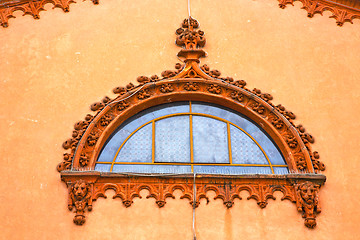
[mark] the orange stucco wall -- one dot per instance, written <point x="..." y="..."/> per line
<point x="52" y="69"/>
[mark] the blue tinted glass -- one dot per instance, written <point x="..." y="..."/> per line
<point x="210" y="140"/>
<point x="172" y="139"/>
<point x="172" y="142"/>
<point x="102" y="167"/>
<point x="170" y="108"/>
<point x="271" y="151"/>
<point x="281" y="170"/>
<point x="138" y="148"/>
<point x="230" y="170"/>
<point x="252" y="129"/>
<point x="137" y="168"/>
<point x="109" y="150"/>
<point x="244" y="149"/>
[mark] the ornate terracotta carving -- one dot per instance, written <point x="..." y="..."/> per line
<point x="277" y="123"/>
<point x="307" y="202"/>
<point x="291" y="140"/>
<point x="318" y="166"/>
<point x="142" y="94"/>
<point x="29" y="7"/>
<point x="92" y="138"/>
<point x="214" y="88"/>
<point x="301" y="164"/>
<point x="165" y="88"/>
<point x="237" y="96"/>
<point x="188" y="37"/>
<point x="191" y="86"/>
<point x="294" y="143"/>
<point x="80" y="198"/>
<point x="226" y="188"/>
<point x="84" y="160"/>
<point x="258" y="108"/>
<point x="105" y="120"/>
<point x="342" y="10"/>
<point x="122" y="105"/>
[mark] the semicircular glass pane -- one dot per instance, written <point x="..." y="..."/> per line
<point x="185" y="137"/>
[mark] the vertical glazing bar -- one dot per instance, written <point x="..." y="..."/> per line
<point x="191" y="144"/>
<point x="153" y="142"/>
<point x="229" y="142"/>
<point x="191" y="140"/>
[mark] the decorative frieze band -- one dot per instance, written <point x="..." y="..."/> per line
<point x="86" y="187"/>
<point x="340" y="12"/>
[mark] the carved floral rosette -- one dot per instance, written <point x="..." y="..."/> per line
<point x="192" y="82"/>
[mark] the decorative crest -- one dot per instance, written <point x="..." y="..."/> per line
<point x="188" y="37"/>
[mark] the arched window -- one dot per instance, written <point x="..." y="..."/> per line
<point x="190" y="137"/>
<point x="164" y="132"/>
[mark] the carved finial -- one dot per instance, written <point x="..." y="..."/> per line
<point x="191" y="39"/>
<point x="188" y="37"/>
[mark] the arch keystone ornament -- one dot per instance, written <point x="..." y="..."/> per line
<point x="191" y="82"/>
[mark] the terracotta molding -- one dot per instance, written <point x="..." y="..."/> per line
<point x="342" y="10"/>
<point x="191" y="82"/>
<point x="90" y="135"/>
<point x="32" y="7"/>
<point x="286" y="136"/>
<point x="86" y="187"/>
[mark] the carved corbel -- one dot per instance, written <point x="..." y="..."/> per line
<point x="80" y="199"/>
<point x="307" y="202"/>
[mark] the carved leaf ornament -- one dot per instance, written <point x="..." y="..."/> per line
<point x="187" y="82"/>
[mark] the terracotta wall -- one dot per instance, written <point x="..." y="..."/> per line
<point x="52" y="69"/>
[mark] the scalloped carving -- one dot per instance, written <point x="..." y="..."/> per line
<point x="343" y="11"/>
<point x="29" y="7"/>
<point x="127" y="187"/>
